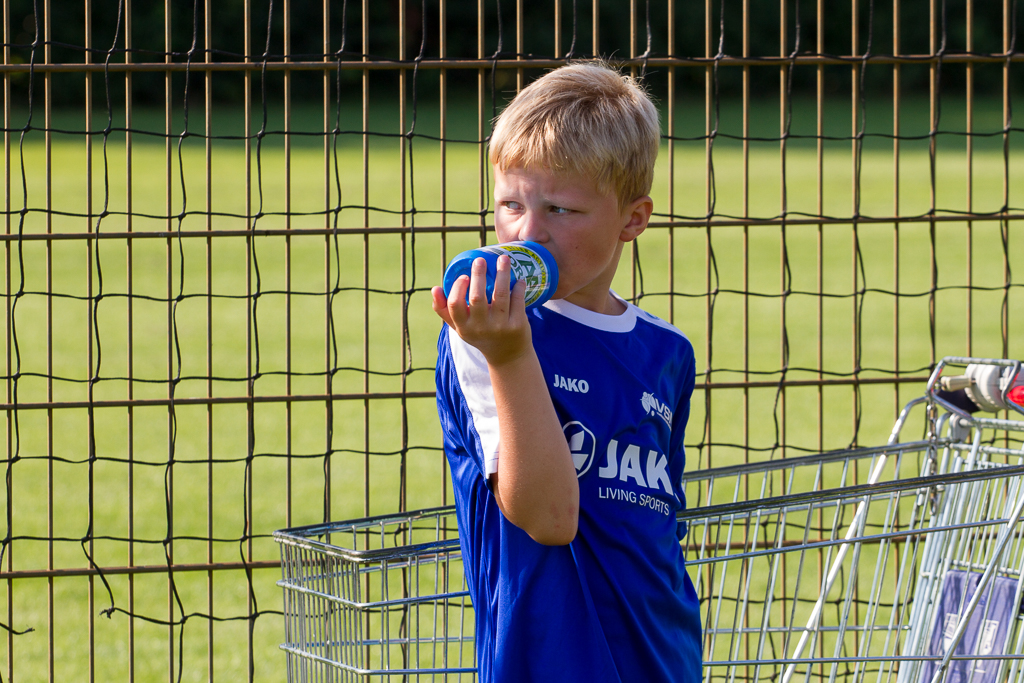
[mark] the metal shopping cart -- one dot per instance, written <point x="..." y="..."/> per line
<point x="377" y="597"/>
<point x="897" y="563"/>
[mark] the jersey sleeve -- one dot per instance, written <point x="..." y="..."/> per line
<point x="465" y="400"/>
<point x="681" y="415"/>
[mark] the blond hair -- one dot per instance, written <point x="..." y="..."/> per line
<point x="583" y="118"/>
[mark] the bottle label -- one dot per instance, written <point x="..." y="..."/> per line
<point x="527" y="265"/>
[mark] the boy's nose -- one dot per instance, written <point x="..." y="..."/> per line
<point x="532" y="228"/>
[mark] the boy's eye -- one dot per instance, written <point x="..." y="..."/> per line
<point x="514" y="206"/>
<point x="560" y="210"/>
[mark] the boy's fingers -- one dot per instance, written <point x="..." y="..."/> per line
<point x="518" y="296"/>
<point x="500" y="297"/>
<point x="440" y="304"/>
<point x="456" y="304"/>
<point x="478" y="283"/>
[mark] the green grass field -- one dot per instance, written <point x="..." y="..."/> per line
<point x="207" y="483"/>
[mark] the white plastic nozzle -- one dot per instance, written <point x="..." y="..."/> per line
<point x="955" y="383"/>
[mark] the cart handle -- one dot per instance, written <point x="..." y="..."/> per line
<point x="933" y="382"/>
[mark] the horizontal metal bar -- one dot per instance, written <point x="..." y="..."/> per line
<point x="848" y="628"/>
<point x="305" y="398"/>
<point x="835" y="220"/>
<point x="214" y="400"/>
<point x="386" y="640"/>
<point x="833" y="381"/>
<point x="843" y="455"/>
<point x="356" y="64"/>
<point x="411" y="556"/>
<point x="895" y="537"/>
<point x="371" y="524"/>
<point x="993" y="423"/>
<point x="971" y="360"/>
<point x="862" y="659"/>
<point x="741" y="545"/>
<point x="994" y="450"/>
<point x="395" y="230"/>
<point x="290" y="585"/>
<point x="139" y="569"/>
<point x="378" y="672"/>
<point x="847" y="495"/>
<point x="261" y="232"/>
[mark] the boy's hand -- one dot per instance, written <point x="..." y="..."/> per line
<point x="499" y="329"/>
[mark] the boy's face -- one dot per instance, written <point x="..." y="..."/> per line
<point x="580" y="225"/>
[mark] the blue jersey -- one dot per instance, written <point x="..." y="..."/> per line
<point x="616" y="604"/>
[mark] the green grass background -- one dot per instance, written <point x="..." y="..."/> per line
<point x="286" y="482"/>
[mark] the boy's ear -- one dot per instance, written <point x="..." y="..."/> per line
<point x="637" y="213"/>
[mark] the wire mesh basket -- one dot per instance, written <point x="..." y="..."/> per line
<point x="899" y="563"/>
<point x="895" y="563"/>
<point x="375" y="598"/>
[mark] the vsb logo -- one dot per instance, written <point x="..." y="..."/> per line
<point x="582" y="445"/>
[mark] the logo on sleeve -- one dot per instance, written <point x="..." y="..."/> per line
<point x="582" y="445"/>
<point x="653" y="406"/>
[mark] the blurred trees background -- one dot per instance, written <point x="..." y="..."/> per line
<point x="266" y="26"/>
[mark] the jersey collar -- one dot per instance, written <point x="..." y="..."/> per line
<point x="624" y="322"/>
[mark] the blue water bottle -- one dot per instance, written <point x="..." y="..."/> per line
<point x="530" y="262"/>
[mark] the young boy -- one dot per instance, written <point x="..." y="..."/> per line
<point x="564" y="425"/>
